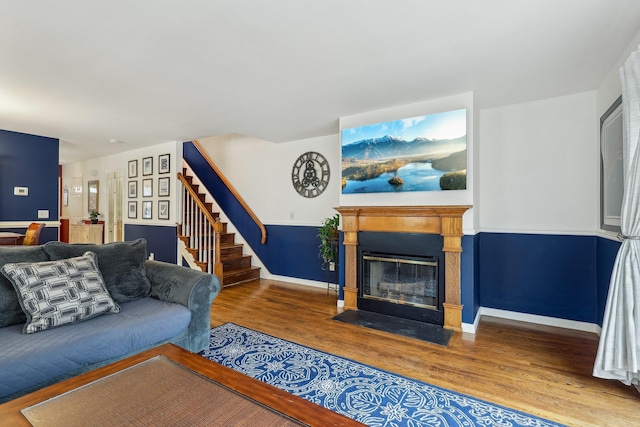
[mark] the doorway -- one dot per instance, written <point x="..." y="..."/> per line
<point x="113" y="224"/>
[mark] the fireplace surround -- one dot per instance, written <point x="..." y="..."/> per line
<point x="443" y="220"/>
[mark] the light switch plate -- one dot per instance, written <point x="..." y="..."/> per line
<point x="20" y="191"/>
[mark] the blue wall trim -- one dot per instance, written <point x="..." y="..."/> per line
<point x="161" y="240"/>
<point x="547" y="275"/>
<point x="290" y="251"/>
<point x="28" y="161"/>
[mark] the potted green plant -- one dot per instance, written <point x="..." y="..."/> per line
<point x="328" y="248"/>
<point x="93" y="216"/>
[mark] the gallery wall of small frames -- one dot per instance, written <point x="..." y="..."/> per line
<point x="146" y="184"/>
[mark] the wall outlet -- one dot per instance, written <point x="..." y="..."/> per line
<point x="332" y="266"/>
<point x="292" y="215"/>
<point x="43" y="213"/>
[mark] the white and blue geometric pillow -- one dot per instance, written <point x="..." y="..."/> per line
<point x="54" y="293"/>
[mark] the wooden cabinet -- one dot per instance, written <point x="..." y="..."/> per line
<point x="86" y="233"/>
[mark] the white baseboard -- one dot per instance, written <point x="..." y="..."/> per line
<point x="340" y="303"/>
<point x="471" y="328"/>
<point x="539" y="320"/>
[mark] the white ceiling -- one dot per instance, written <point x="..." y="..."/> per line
<point x="153" y="71"/>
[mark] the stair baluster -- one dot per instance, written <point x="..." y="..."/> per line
<point x="201" y="235"/>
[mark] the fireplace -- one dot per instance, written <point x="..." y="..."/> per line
<point x="442" y="222"/>
<point x="402" y="275"/>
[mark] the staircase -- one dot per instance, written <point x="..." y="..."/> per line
<point x="217" y="247"/>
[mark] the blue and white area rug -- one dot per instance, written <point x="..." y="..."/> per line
<point x="369" y="395"/>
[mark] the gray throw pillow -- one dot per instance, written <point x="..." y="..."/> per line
<point x="10" y="311"/>
<point x="121" y="265"/>
<point x="54" y="293"/>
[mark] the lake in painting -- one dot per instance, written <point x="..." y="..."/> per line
<point x="416" y="177"/>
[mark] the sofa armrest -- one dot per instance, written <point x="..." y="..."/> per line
<point x="191" y="288"/>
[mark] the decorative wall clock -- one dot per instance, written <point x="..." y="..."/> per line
<point x="310" y="174"/>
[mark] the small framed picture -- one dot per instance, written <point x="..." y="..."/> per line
<point x="133" y="189"/>
<point x="163" y="209"/>
<point x="147" y="187"/>
<point x="133" y="210"/>
<point x="163" y="187"/>
<point x="133" y="168"/>
<point x="164" y="166"/>
<point x="147" y="166"/>
<point x="147" y="210"/>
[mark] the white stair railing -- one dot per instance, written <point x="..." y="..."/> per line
<point x="202" y="229"/>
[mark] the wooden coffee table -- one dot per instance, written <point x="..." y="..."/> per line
<point x="166" y="385"/>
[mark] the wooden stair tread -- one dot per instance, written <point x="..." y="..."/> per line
<point x="240" y="275"/>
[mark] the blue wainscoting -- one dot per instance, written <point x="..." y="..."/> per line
<point x="29" y="161"/>
<point x="607" y="250"/>
<point x="292" y="251"/>
<point x="161" y="240"/>
<point x="547" y="275"/>
<point x="470" y="294"/>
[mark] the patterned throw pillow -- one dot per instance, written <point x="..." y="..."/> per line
<point x="54" y="293"/>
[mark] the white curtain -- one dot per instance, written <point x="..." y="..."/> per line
<point x="619" y="350"/>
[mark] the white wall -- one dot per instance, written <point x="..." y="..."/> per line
<point x="260" y="171"/>
<point x="411" y="198"/>
<point x="537" y="166"/>
<point x="100" y="168"/>
<point x="610" y="89"/>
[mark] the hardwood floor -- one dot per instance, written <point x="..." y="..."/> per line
<point x="540" y="370"/>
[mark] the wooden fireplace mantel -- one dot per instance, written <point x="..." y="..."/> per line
<point x="443" y="220"/>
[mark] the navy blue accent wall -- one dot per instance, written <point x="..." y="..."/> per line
<point x="161" y="240"/>
<point x="547" y="275"/>
<point x="607" y="250"/>
<point x="470" y="294"/>
<point x="290" y="251"/>
<point x="28" y="161"/>
<point x="48" y="234"/>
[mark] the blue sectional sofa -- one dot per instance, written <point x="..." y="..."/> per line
<point x="151" y="303"/>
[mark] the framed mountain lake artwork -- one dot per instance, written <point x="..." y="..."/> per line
<point x="425" y="153"/>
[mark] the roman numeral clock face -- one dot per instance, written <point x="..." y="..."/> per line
<point x="310" y="174"/>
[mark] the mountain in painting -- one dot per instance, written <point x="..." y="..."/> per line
<point x="389" y="147"/>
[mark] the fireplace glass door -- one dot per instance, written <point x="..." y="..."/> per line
<point x="401" y="280"/>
